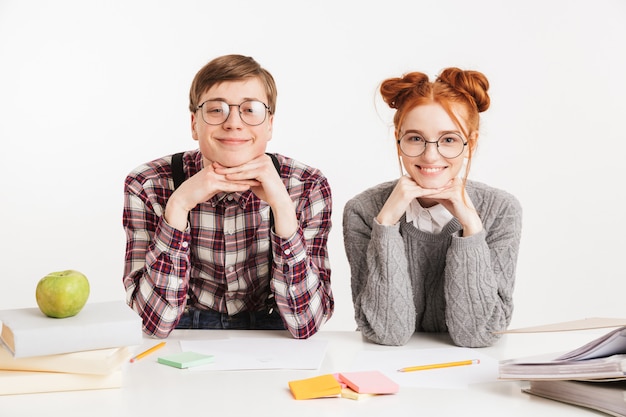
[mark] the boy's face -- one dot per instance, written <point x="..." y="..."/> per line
<point x="233" y="142"/>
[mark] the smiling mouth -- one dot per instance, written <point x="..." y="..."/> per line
<point x="233" y="141"/>
<point x="432" y="170"/>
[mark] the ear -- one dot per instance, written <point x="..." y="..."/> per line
<point x="270" y="126"/>
<point x="396" y="138"/>
<point x="473" y="140"/>
<point x="194" y="123"/>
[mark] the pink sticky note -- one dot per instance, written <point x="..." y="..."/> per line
<point x="343" y="384"/>
<point x="369" y="382"/>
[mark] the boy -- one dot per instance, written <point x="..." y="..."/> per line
<point x="242" y="242"/>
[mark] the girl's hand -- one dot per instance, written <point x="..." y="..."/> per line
<point x="404" y="192"/>
<point x="452" y="196"/>
<point x="455" y="199"/>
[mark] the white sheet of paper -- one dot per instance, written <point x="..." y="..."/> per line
<point x="258" y="353"/>
<point x="457" y="377"/>
<point x="582" y="324"/>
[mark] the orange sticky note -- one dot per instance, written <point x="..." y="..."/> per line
<point x="369" y="382"/>
<point x="316" y="387"/>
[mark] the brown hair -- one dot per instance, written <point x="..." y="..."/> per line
<point x="231" y="68"/>
<point x="465" y="90"/>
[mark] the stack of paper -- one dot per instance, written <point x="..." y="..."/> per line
<point x="43" y="354"/>
<point x="592" y="376"/>
<point x="602" y="358"/>
<point x="607" y="396"/>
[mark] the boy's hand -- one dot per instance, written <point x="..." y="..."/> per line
<point x="197" y="189"/>
<point x="261" y="177"/>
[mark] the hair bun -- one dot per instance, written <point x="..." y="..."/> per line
<point x="396" y="90"/>
<point x="471" y="84"/>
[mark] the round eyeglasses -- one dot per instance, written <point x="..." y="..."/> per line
<point x="216" y="112"/>
<point x="449" y="145"/>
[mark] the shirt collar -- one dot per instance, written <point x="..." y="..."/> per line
<point x="431" y="219"/>
<point x="240" y="198"/>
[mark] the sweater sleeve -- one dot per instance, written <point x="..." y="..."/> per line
<point x="480" y="276"/>
<point x="381" y="288"/>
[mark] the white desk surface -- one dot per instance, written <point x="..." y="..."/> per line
<point x="151" y="389"/>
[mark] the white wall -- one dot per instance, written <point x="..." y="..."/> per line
<point x="90" y="89"/>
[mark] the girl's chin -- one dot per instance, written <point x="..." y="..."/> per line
<point x="430" y="183"/>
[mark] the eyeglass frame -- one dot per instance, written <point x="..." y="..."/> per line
<point x="267" y="110"/>
<point x="426" y="142"/>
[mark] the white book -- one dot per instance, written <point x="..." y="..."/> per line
<point x="27" y="382"/>
<point x="28" y="332"/>
<point x="99" y="362"/>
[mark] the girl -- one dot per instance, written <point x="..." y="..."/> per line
<point x="433" y="251"/>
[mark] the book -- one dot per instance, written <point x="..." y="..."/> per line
<point x="601" y="358"/>
<point x="611" y="367"/>
<point x="28" y="332"/>
<point x="606" y="397"/>
<point x="316" y="387"/>
<point x="369" y="382"/>
<point x="100" y="361"/>
<point x="30" y="382"/>
<point x="184" y="360"/>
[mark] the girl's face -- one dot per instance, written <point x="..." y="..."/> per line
<point x="431" y="123"/>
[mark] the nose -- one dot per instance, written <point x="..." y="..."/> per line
<point x="431" y="152"/>
<point x="233" y="121"/>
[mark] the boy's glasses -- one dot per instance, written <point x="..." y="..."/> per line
<point x="216" y="112"/>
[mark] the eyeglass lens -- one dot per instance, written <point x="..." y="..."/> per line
<point x="216" y="112"/>
<point x="449" y="145"/>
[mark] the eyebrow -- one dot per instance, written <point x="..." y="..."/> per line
<point x="226" y="101"/>
<point x="440" y="133"/>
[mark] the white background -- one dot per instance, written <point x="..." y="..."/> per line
<point x="91" y="89"/>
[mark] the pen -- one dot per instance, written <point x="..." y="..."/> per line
<point x="439" y="365"/>
<point x="147" y="352"/>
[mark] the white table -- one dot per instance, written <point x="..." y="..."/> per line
<point x="151" y="389"/>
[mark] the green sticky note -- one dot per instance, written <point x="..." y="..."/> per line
<point x="186" y="359"/>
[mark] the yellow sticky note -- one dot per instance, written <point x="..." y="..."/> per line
<point x="348" y="393"/>
<point x="316" y="387"/>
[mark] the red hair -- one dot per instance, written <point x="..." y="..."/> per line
<point x="454" y="89"/>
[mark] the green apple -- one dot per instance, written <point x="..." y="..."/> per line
<point x="62" y="294"/>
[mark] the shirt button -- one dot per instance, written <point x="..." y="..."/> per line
<point x="230" y="231"/>
<point x="287" y="251"/>
<point x="231" y="269"/>
<point x="184" y="244"/>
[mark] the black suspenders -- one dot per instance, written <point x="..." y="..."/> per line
<point x="178" y="175"/>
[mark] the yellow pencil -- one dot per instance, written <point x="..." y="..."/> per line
<point x="147" y="352"/>
<point x="439" y="365"/>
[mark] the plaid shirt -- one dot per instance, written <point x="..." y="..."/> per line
<point x="221" y="262"/>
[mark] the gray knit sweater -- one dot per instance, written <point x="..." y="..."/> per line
<point x="406" y="280"/>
